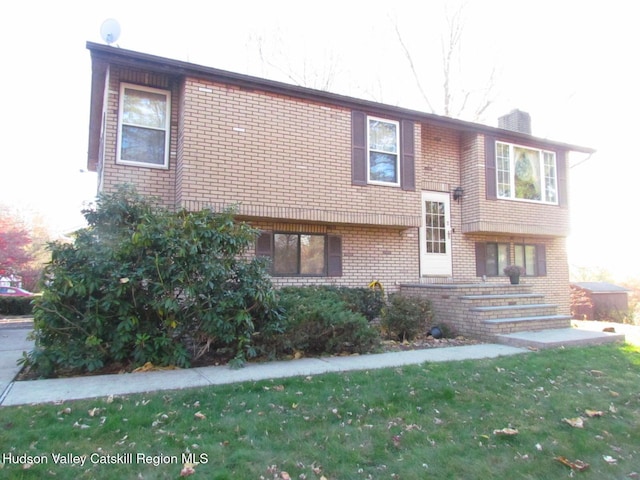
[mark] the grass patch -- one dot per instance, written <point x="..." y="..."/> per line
<point x="428" y="421"/>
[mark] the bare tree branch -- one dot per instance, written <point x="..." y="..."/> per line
<point x="306" y="75"/>
<point x="456" y="100"/>
<point x="451" y="45"/>
<point x="413" y="69"/>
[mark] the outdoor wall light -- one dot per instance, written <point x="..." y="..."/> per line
<point x="458" y="193"/>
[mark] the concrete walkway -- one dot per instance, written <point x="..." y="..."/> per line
<point x="13" y="341"/>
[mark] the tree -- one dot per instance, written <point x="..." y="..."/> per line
<point x="14" y="243"/>
<point x="376" y="70"/>
<point x="457" y="99"/>
<point x="306" y="73"/>
<point x="144" y="284"/>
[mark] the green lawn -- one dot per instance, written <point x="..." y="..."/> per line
<point x="430" y="421"/>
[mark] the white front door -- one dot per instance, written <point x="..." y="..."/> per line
<point x="435" y="235"/>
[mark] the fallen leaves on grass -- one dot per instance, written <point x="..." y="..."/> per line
<point x="593" y="413"/>
<point x="275" y="472"/>
<point x="578" y="465"/>
<point x="506" y="431"/>
<point x="577" y="422"/>
<point x="188" y="469"/>
<point x="94" y="411"/>
<point x="199" y="415"/>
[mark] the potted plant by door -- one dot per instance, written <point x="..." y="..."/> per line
<point x="514" y="272"/>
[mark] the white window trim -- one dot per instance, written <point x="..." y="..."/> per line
<point x="512" y="184"/>
<point x="167" y="125"/>
<point x="377" y="182"/>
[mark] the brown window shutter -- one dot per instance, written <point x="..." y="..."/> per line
<point x="481" y="259"/>
<point x="490" y="167"/>
<point x="334" y="248"/>
<point x="264" y="244"/>
<point x="561" y="166"/>
<point x="358" y="148"/>
<point x="541" y="260"/>
<point x="407" y="160"/>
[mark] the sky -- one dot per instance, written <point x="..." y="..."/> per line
<point x="572" y="65"/>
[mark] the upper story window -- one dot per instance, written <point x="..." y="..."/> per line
<point x="143" y="128"/>
<point x="383" y="140"/>
<point x="382" y="151"/>
<point x="526" y="173"/>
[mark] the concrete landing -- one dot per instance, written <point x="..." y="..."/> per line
<point x="558" y="337"/>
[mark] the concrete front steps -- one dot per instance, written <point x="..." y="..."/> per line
<point x="507" y="314"/>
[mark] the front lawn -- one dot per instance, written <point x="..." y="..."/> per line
<point x="512" y="417"/>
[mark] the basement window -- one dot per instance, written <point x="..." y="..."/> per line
<point x="301" y="254"/>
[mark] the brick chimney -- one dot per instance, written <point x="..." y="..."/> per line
<point x="517" y="121"/>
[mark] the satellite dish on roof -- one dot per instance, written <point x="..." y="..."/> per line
<point x="110" y="30"/>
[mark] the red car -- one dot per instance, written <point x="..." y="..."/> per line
<point x="14" y="292"/>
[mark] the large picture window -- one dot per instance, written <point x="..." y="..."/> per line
<point x="525" y="173"/>
<point x="383" y="151"/>
<point x="143" y="134"/>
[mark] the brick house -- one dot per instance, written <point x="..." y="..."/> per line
<point x="346" y="191"/>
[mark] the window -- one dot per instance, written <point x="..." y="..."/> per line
<point x="143" y="131"/>
<point x="435" y="227"/>
<point x="302" y="254"/>
<point x="298" y="254"/>
<point x="492" y="257"/>
<point x="526" y="173"/>
<point x="527" y="256"/>
<point x="383" y="151"/>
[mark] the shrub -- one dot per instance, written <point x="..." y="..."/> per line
<point x="366" y="301"/>
<point x="16" y="305"/>
<point x="406" y="316"/>
<point x="317" y="320"/>
<point x="143" y="284"/>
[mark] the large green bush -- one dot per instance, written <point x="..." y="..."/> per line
<point x="143" y="284"/>
<point x="317" y="320"/>
<point x="406" y="316"/>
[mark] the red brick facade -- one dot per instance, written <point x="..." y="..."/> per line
<point x="284" y="158"/>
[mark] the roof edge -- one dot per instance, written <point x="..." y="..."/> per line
<point x="178" y="67"/>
